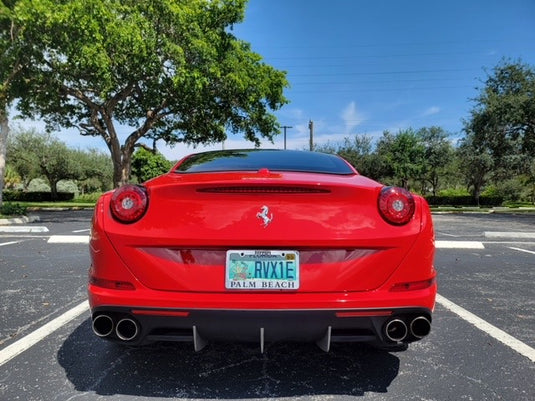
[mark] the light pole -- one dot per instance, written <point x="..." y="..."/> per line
<point x="311" y="128"/>
<point x="284" y="127"/>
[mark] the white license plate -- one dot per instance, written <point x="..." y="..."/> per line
<point x="262" y="270"/>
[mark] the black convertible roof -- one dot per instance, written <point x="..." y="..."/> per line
<point x="271" y="159"/>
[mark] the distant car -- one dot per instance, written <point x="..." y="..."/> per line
<point x="262" y="245"/>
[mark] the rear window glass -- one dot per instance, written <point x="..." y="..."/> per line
<point x="274" y="160"/>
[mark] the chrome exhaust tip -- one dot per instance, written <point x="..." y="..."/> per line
<point x="420" y="327"/>
<point x="396" y="330"/>
<point x="126" y="329"/>
<point x="102" y="325"/>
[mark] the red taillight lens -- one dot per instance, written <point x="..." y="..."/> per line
<point x="396" y="205"/>
<point x="129" y="203"/>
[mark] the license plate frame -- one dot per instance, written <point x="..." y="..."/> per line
<point x="262" y="270"/>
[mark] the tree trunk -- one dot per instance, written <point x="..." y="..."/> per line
<point x="122" y="166"/>
<point x="4" y="130"/>
<point x="126" y="169"/>
<point x="53" y="189"/>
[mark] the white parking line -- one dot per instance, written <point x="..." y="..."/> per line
<point x="82" y="231"/>
<point x="459" y="245"/>
<point x="34" y="337"/>
<point x="23" y="229"/>
<point x="9" y="243"/>
<point x="68" y="239"/>
<point x="521" y="250"/>
<point x="507" y="234"/>
<point x="488" y="328"/>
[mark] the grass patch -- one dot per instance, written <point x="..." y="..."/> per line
<point x="68" y="205"/>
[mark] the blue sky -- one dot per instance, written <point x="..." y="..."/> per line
<point x="362" y="67"/>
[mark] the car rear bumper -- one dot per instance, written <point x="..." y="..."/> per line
<point x="137" y="325"/>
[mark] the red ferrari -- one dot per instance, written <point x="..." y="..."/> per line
<point x="262" y="245"/>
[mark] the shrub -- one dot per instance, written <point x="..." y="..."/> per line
<point x="464" y="200"/>
<point x="13" y="209"/>
<point x="19" y="196"/>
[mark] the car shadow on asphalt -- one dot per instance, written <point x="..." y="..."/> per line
<point x="223" y="370"/>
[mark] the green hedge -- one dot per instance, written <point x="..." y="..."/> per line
<point x="19" y="196"/>
<point x="464" y="200"/>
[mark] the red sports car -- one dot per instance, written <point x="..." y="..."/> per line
<point x="262" y="245"/>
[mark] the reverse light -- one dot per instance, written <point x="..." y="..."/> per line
<point x="396" y="205"/>
<point x="129" y="203"/>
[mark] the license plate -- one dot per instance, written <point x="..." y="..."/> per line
<point x="262" y="270"/>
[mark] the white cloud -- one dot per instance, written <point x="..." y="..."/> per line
<point x="431" y="110"/>
<point x="352" y="117"/>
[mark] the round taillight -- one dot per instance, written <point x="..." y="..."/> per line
<point x="396" y="205"/>
<point x="129" y="203"/>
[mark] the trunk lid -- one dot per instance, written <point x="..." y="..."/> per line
<point x="192" y="220"/>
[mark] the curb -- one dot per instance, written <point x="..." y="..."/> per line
<point x="19" y="220"/>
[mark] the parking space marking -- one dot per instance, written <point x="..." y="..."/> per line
<point x="494" y="332"/>
<point x="459" y="245"/>
<point x="82" y="231"/>
<point x="9" y="243"/>
<point x="68" y="239"/>
<point x="507" y="234"/>
<point x="521" y="250"/>
<point x="23" y="229"/>
<point x="34" y="337"/>
<point x="448" y="235"/>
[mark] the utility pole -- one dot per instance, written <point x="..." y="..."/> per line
<point x="311" y="128"/>
<point x="284" y="127"/>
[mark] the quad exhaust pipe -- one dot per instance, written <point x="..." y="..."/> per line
<point x="420" y="327"/>
<point x="126" y="329"/>
<point x="397" y="330"/>
<point x="103" y="325"/>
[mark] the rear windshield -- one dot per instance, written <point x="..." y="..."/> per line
<point x="273" y="160"/>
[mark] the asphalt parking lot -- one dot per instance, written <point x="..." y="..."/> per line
<point x="481" y="346"/>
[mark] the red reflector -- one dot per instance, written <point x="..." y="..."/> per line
<point x="159" y="313"/>
<point x="364" y="313"/>
<point x="112" y="284"/>
<point x="412" y="286"/>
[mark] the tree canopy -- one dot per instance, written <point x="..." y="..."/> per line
<point x="167" y="69"/>
<point x="503" y="118"/>
<point x="32" y="154"/>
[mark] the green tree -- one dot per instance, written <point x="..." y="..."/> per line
<point x="503" y="118"/>
<point x="11" y="177"/>
<point x="357" y="150"/>
<point x="48" y="156"/>
<point x="169" y="69"/>
<point x="96" y="171"/>
<point x="147" y="164"/>
<point x="476" y="164"/>
<point x="401" y="156"/>
<point x="438" y="154"/>
<point x="9" y="69"/>
<point x="22" y="157"/>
